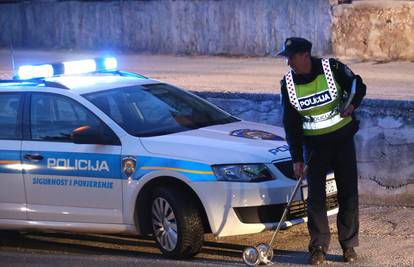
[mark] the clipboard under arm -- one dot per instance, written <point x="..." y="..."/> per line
<point x="351" y="95"/>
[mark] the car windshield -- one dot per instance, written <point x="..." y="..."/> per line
<point x="157" y="109"/>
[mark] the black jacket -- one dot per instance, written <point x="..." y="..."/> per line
<point x="292" y="120"/>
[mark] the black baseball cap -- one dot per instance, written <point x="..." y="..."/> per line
<point x="295" y="45"/>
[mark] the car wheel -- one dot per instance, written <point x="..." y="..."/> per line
<point x="176" y="223"/>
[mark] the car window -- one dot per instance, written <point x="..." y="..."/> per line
<point x="157" y="109"/>
<point x="54" y="117"/>
<point x="10" y="104"/>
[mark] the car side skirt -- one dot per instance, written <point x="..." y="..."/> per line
<point x="44" y="226"/>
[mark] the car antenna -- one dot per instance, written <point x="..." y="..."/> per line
<point x="12" y="52"/>
<point x="12" y="58"/>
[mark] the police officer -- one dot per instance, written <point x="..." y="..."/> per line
<point x="320" y="130"/>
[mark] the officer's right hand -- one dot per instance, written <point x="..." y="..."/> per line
<point x="299" y="169"/>
<point x="348" y="111"/>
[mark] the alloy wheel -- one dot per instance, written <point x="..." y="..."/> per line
<point x="164" y="224"/>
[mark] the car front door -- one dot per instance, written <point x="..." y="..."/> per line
<point x="68" y="181"/>
<point x="12" y="196"/>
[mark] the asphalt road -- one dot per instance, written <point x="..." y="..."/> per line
<point x="386" y="239"/>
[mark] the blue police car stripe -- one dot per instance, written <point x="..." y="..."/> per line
<point x="195" y="171"/>
<point x="76" y="164"/>
<point x="10" y="161"/>
<point x="100" y="165"/>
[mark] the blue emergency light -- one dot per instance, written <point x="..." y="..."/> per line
<point x="66" y="68"/>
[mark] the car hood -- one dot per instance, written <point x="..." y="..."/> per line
<point x="230" y="143"/>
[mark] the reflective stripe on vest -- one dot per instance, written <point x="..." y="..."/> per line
<point x="329" y="78"/>
<point x="290" y="85"/>
<point x="308" y="102"/>
<point x="321" y="121"/>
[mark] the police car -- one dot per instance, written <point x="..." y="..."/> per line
<point x="85" y="147"/>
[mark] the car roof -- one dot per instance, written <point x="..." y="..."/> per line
<point x="79" y="77"/>
<point x="82" y="84"/>
<point x="78" y="84"/>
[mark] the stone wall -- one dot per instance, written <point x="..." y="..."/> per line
<point x="367" y="30"/>
<point x="374" y="30"/>
<point x="385" y="141"/>
<point x="214" y="27"/>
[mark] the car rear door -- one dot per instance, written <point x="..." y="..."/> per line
<point x="70" y="182"/>
<point x="12" y="195"/>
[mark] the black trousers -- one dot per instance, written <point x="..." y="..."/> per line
<point x="339" y="157"/>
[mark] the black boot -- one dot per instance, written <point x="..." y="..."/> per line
<point x="317" y="255"/>
<point x="349" y="255"/>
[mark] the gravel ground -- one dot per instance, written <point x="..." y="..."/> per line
<point x="386" y="239"/>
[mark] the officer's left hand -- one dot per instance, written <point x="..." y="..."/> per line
<point x="348" y="111"/>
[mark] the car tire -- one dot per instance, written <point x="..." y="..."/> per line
<point x="176" y="223"/>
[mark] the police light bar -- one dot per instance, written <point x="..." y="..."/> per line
<point x="66" y="68"/>
<point x="80" y="66"/>
<point x="29" y="71"/>
<point x="110" y="63"/>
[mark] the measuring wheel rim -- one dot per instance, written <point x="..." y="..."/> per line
<point x="251" y="256"/>
<point x="265" y="253"/>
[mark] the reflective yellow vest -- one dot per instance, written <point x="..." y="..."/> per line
<point x="318" y="102"/>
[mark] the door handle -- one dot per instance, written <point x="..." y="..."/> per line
<point x="33" y="157"/>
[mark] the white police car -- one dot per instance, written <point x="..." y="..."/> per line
<point x="87" y="148"/>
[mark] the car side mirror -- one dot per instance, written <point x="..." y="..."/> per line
<point x="86" y="135"/>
